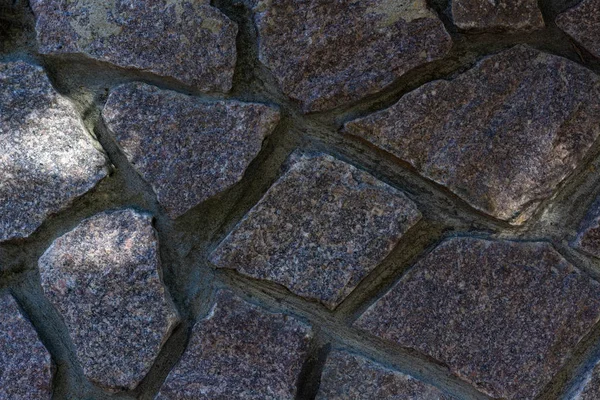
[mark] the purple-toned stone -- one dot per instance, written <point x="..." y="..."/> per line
<point x="582" y="23"/>
<point x="502" y="135"/>
<point x="588" y="237"/>
<point x="502" y="315"/>
<point x="47" y="158"/>
<point x="188" y="149"/>
<point x="240" y="352"/>
<point x="25" y="366"/>
<point x="103" y="277"/>
<point x="591" y="387"/>
<point x="319" y="230"/>
<point x="186" y="40"/>
<point x="329" y="53"/>
<point x="501" y="15"/>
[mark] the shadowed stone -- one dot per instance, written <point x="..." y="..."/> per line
<point x="347" y="376"/>
<point x="588" y="237"/>
<point x="329" y="53"/>
<point x="46" y="157"/>
<point x="240" y="352"/>
<point x="501" y="15"/>
<point x="591" y="387"/>
<point x="187" y="149"/>
<point x="319" y="230"/>
<point x="502" y="315"/>
<point x="103" y="278"/>
<point x="502" y="135"/>
<point x="25" y="367"/>
<point x="582" y="23"/>
<point x="186" y="40"/>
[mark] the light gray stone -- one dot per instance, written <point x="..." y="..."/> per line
<point x="591" y="387"/>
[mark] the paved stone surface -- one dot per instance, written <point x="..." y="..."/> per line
<point x="591" y="389"/>
<point x="375" y="42"/>
<point x="240" y="352"/>
<point x="347" y="376"/>
<point x="319" y="230"/>
<point x="46" y="157"/>
<point x="186" y="40"/>
<point x="588" y="237"/>
<point x="103" y="278"/>
<point x="25" y="367"/>
<point x="502" y="15"/>
<point x="502" y="135"/>
<point x="502" y="315"/>
<point x="187" y="149"/>
<point x="582" y="23"/>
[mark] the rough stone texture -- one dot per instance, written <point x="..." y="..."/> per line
<point x="502" y="135"/>
<point x="321" y="228"/>
<point x="46" y="157"/>
<point x="375" y="42"/>
<point x="502" y="15"/>
<point x="347" y="376"/>
<point x="502" y="315"/>
<point x="240" y="352"/>
<point x="25" y="367"/>
<point x="103" y="278"/>
<point x="187" y="149"/>
<point x="186" y="40"/>
<point x="588" y="237"/>
<point x="582" y="23"/>
<point x="591" y="388"/>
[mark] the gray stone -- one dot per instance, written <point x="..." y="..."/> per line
<point x="502" y="15"/>
<point x="582" y="23"/>
<point x="186" y="40"/>
<point x="502" y="135"/>
<point x="46" y="157"/>
<point x="103" y="278"/>
<point x="348" y="376"/>
<point x="591" y="387"/>
<point x="328" y="53"/>
<point x="502" y="315"/>
<point x="240" y="352"/>
<point x="187" y="149"/>
<point x="25" y="367"/>
<point x="588" y="237"/>
<point x="319" y="230"/>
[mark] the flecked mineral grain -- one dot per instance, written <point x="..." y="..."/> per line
<point x="502" y="15"/>
<point x="591" y="388"/>
<point x="582" y="23"/>
<point x="588" y="237"/>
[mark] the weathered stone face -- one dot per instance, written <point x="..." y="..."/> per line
<point x="186" y="40"/>
<point x="240" y="352"/>
<point x="103" y="278"/>
<point x="591" y="389"/>
<point x="582" y="23"/>
<point x="187" y="149"/>
<point x="588" y="237"/>
<point x="46" y="157"/>
<point x="502" y="315"/>
<point x="328" y="53"/>
<point x="25" y="367"/>
<point x="502" y="135"/>
<point x="321" y="228"/>
<point x="502" y="15"/>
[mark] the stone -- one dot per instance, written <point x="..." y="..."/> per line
<point x="503" y="15"/>
<point x="319" y="230"/>
<point x="25" y="366"/>
<point x="47" y="158"/>
<point x="189" y="41"/>
<point x="240" y="352"/>
<point x="188" y="149"/>
<point x="591" y="387"/>
<point x="330" y="53"/>
<point x="103" y="278"/>
<point x="348" y="376"/>
<point x="588" y="236"/>
<point x="502" y="315"/>
<point x="582" y="23"/>
<point x="502" y="135"/>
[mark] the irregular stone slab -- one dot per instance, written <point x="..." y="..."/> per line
<point x="502" y="135"/>
<point x="502" y="315"/>
<point x="46" y="157"/>
<point x="25" y="366"/>
<point x="588" y="237"/>
<point x="591" y="388"/>
<point x="319" y="230"/>
<point x="187" y="149"/>
<point x="502" y="15"/>
<point x="582" y="23"/>
<point x="186" y="40"/>
<point x="103" y="278"/>
<point x="329" y="53"/>
<point x="348" y="376"/>
<point x="240" y="352"/>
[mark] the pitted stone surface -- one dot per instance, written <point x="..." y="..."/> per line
<point x="502" y="135"/>
<point x="588" y="237"/>
<point x="187" y="149"/>
<point x="329" y="53"/>
<point x="502" y="315"/>
<point x="503" y="15"/>
<point x="46" y="157"/>
<point x="103" y="278"/>
<point x="319" y="230"/>
<point x="582" y="23"/>
<point x="25" y="367"/>
<point x="591" y="388"/>
<point x="240" y="352"/>
<point x="186" y="40"/>
<point x="348" y="376"/>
